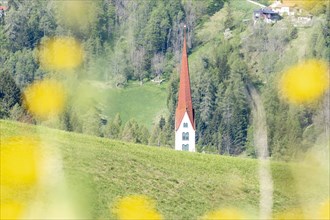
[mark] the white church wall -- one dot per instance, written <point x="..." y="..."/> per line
<point x="178" y="135"/>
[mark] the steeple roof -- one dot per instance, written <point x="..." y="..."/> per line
<point x="184" y="101"/>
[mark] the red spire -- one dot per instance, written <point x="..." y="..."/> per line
<point x="184" y="101"/>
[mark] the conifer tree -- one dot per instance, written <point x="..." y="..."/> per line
<point x="154" y="139"/>
<point x="92" y="122"/>
<point x="10" y="94"/>
<point x="113" y="128"/>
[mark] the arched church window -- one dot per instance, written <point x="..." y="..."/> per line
<point x="185" y="147"/>
<point x="185" y="136"/>
<point x="185" y="125"/>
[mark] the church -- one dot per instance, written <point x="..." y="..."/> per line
<point x="184" y="114"/>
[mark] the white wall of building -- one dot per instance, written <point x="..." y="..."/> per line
<point x="178" y="135"/>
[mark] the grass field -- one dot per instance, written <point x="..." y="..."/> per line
<point x="144" y="103"/>
<point x="184" y="185"/>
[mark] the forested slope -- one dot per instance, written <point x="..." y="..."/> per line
<point x="126" y="44"/>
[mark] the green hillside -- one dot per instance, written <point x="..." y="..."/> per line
<point x="184" y="185"/>
<point x="144" y="103"/>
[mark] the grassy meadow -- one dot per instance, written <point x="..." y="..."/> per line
<point x="98" y="171"/>
<point x="146" y="103"/>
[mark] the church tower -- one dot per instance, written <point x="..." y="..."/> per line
<point x="184" y="114"/>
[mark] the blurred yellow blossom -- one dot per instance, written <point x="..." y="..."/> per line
<point x="325" y="210"/>
<point x="11" y="210"/>
<point x="60" y="53"/>
<point x="78" y="15"/>
<point x="305" y="82"/>
<point x="306" y="4"/>
<point x="226" y="213"/>
<point x="136" y="207"/>
<point x="293" y="214"/>
<point x="20" y="158"/>
<point x="45" y="98"/>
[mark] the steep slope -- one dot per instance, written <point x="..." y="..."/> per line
<point x="184" y="185"/>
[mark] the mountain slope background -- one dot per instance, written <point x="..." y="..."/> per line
<point x="128" y="47"/>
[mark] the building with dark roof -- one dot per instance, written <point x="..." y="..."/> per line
<point x="267" y="15"/>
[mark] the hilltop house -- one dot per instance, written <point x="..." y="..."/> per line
<point x="184" y="114"/>
<point x="3" y="10"/>
<point x="283" y="8"/>
<point x="298" y="16"/>
<point x="267" y="15"/>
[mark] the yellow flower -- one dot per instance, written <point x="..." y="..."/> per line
<point x="77" y="15"/>
<point x="11" y="210"/>
<point x="227" y="213"/>
<point x="293" y="214"/>
<point x="306" y="4"/>
<point x="20" y="159"/>
<point x="60" y="53"/>
<point x="45" y="98"/>
<point x="136" y="207"/>
<point x="324" y="210"/>
<point x="305" y="82"/>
